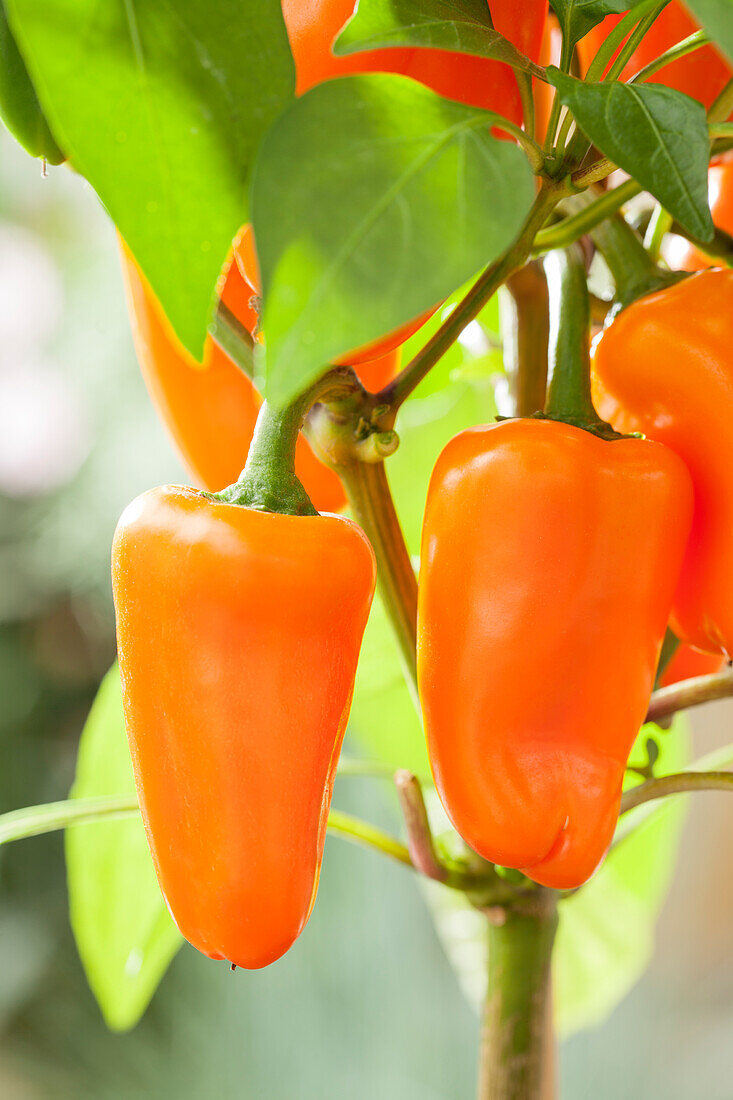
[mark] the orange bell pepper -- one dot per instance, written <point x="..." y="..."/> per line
<point x="238" y="635"/>
<point x="678" y="252"/>
<point x="664" y="368"/>
<point x="549" y="561"/>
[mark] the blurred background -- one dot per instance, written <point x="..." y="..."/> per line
<point x="366" y="1003"/>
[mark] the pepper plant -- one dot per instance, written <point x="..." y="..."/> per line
<point x="326" y="215"/>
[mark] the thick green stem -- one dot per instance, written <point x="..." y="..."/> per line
<point x="569" y="396"/>
<point x="515" y="1043"/>
<point x="371" y="502"/>
<point x="582" y="221"/>
<point x="525" y="324"/>
<point x="632" y="268"/>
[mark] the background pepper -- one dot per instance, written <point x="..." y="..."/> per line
<point x="238" y="635"/>
<point x="210" y="410"/>
<point x="702" y="74"/>
<point x="664" y="368"/>
<point x="687" y="662"/>
<point x="549" y="561"/>
<point x="678" y="252"/>
<point x="313" y="26"/>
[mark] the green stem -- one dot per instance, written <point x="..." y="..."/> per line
<point x="234" y="339"/>
<point x="608" y="48"/>
<point x="682" y="49"/>
<point x="593" y="173"/>
<point x="569" y="396"/>
<point x="268" y="482"/>
<point x="634" y="272"/>
<point x="371" y="503"/>
<point x="576" y="225"/>
<point x="681" y="783"/>
<point x="517" y="1015"/>
<point x="361" y="832"/>
<point x="689" y="693"/>
<point x="525" y="325"/>
<point x="634" y="39"/>
<point x="723" y="104"/>
<point x="660" y="224"/>
<point x="483" y="289"/>
<point x="524" y="83"/>
<point x="53" y="816"/>
<point x="36" y="820"/>
<point x="670" y="645"/>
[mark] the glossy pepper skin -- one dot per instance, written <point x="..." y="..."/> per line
<point x="210" y="410"/>
<point x="687" y="662"/>
<point x="664" y="367"/>
<point x="549" y="561"/>
<point x="238" y="635"/>
<point x="679" y="253"/>
<point x="702" y="74"/>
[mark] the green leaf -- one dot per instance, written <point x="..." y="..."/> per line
<point x="408" y="197"/>
<point x="656" y="134"/>
<point x="462" y="26"/>
<point x="605" y="936"/>
<point x="716" y="16"/>
<point x="577" y="17"/>
<point x="161" y="107"/>
<point x="125" y="937"/>
<point x="19" y="107"/>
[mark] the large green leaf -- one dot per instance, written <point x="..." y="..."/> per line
<point x="656" y="134"/>
<point x="716" y="17"/>
<point x="463" y="26"/>
<point x="408" y="197"/>
<point x="125" y="937"/>
<point x="605" y="937"/>
<point x="19" y="107"/>
<point x="161" y="106"/>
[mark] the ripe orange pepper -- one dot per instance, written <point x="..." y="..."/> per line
<point x="687" y="662"/>
<point x="210" y="410"/>
<point x="679" y="253"/>
<point x="238" y="635"/>
<point x="549" y="562"/>
<point x="702" y="74"/>
<point x="664" y="368"/>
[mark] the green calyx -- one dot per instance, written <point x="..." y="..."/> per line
<point x="268" y="482"/>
